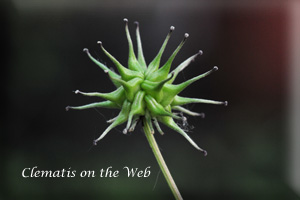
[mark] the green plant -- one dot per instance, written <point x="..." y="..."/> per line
<point x="147" y="93"/>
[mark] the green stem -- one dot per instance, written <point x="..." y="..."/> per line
<point x="161" y="162"/>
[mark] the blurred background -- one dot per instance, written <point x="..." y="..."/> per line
<point x="252" y="144"/>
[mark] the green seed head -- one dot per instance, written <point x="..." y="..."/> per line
<point x="147" y="91"/>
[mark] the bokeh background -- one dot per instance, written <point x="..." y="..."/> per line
<point x="252" y="152"/>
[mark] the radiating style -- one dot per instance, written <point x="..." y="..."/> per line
<point x="147" y="91"/>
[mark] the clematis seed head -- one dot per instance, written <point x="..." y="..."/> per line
<point x="146" y="91"/>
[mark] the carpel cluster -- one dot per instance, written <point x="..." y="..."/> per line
<point x="147" y="91"/>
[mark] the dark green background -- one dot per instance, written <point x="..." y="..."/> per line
<point x="43" y="62"/>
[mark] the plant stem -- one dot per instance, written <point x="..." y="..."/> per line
<point x="161" y="162"/>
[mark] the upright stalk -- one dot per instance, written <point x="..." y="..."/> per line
<point x="161" y="161"/>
